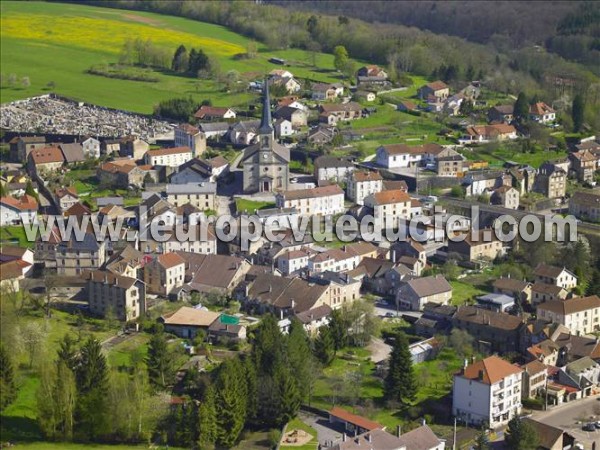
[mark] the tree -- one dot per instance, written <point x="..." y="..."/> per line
<point x="325" y="346"/>
<point x="300" y="357"/>
<point x="311" y="24"/>
<point x="577" y="111"/>
<point x="33" y="336"/>
<point x="8" y="388"/>
<point x="340" y="58"/>
<point x="231" y="402"/>
<point x="207" y="420"/>
<point x="338" y="326"/>
<point x="91" y="376"/>
<point x="159" y="360"/>
<point x="521" y="108"/>
<point x="482" y="441"/>
<point x="400" y="384"/>
<point x="521" y="435"/>
<point x="198" y="61"/>
<point x="25" y="82"/>
<point x="29" y="190"/>
<point x="251" y="50"/>
<point x="288" y="395"/>
<point x="466" y="107"/>
<point x="180" y="59"/>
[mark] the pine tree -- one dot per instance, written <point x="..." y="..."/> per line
<point x="325" y="346"/>
<point x="521" y="108"/>
<point x="67" y="353"/>
<point x="338" y="326"/>
<point x="92" y="387"/>
<point x="180" y="59"/>
<point x="400" y="383"/>
<point x="268" y="346"/>
<point x="29" y="190"/>
<point x="288" y="396"/>
<point x="482" y="441"/>
<point x="207" y="420"/>
<point x="231" y="402"/>
<point x="8" y="389"/>
<point x="521" y="435"/>
<point x="299" y="356"/>
<point x="577" y="111"/>
<point x="159" y="360"/>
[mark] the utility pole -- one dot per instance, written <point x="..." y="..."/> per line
<point x="454" y="436"/>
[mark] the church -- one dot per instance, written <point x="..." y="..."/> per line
<point x="266" y="163"/>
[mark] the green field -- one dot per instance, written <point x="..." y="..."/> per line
<point x="57" y="43"/>
<point x="242" y="204"/>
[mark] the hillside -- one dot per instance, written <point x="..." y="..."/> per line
<point x="55" y="44"/>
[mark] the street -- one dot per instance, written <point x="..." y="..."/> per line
<point x="566" y="415"/>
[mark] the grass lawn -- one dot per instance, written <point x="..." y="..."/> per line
<point x="15" y="235"/>
<point x="242" y="204"/>
<point x="462" y="291"/>
<point x="297" y="424"/>
<point x="32" y="46"/>
<point x="500" y="155"/>
<point x="120" y="355"/>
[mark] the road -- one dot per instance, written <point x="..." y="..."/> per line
<point x="566" y="415"/>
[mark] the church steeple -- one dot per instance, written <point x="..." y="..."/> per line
<point x="266" y="129"/>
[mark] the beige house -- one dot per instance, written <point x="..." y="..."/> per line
<point x="108" y="293"/>
<point x="581" y="315"/>
<point x="187" y="135"/>
<point x="133" y="147"/>
<point x="506" y="196"/>
<point x="584" y="164"/>
<point x="164" y="273"/>
<point x="535" y="374"/>
<point x="437" y="89"/>
<point x="585" y="205"/>
<point x="45" y="160"/>
<point x="363" y="183"/>
<point x="170" y="157"/>
<point x="481" y="246"/>
<point x="199" y="195"/>
<point x="187" y="321"/>
<point x="551" y="181"/>
<point x="66" y="197"/>
<point x="389" y="207"/>
<point x="73" y="257"/>
<point x="414" y="294"/>
<point x="543" y="292"/>
<point x="320" y="201"/>
<point x="558" y="276"/>
<point x="518" y="289"/>
<point x="332" y="113"/>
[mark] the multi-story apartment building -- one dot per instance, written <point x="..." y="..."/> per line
<point x="551" y="181"/>
<point x="320" y="201"/>
<point x="584" y="164"/>
<point x="164" y="273"/>
<point x="389" y="207"/>
<point x="487" y="392"/>
<point x="200" y="195"/>
<point x="535" y="375"/>
<point x="73" y="257"/>
<point x="187" y="135"/>
<point x="506" y="196"/>
<point x="108" y="293"/>
<point x="170" y="157"/>
<point x="363" y="183"/>
<point x="581" y="315"/>
<point x="329" y="168"/>
<point x="335" y="260"/>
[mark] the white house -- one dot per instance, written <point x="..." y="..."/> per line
<point x="542" y="113"/>
<point x="389" y="207"/>
<point x="15" y="211"/>
<point x="170" y="157"/>
<point x="557" y="276"/>
<point x="487" y="392"/>
<point x="363" y="183"/>
<point x="91" y="147"/>
<point x="294" y="261"/>
<point x="399" y="155"/>
<point x="320" y="201"/>
<point x="283" y="128"/>
<point x="333" y="260"/>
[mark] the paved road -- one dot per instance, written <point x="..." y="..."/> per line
<point x="325" y="434"/>
<point x="565" y="416"/>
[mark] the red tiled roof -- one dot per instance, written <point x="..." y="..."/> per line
<point x="391" y="196"/>
<point x="25" y="203"/>
<point x="168" y="151"/>
<point x="169" y="260"/>
<point x="359" y="421"/>
<point x="491" y="370"/>
<point x="47" y="155"/>
<point x="210" y="111"/>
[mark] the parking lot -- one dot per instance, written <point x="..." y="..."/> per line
<point x="572" y="416"/>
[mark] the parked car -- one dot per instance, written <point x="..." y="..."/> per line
<point x="589" y="427"/>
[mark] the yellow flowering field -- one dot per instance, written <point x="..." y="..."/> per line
<point x="105" y="35"/>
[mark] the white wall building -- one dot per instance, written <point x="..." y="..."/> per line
<point x="581" y="315"/>
<point x="320" y="201"/>
<point x="170" y="157"/>
<point x="487" y="392"/>
<point x="91" y="147"/>
<point x="363" y="183"/>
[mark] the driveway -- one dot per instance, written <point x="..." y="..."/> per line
<point x="326" y="435"/>
<point x="564" y="416"/>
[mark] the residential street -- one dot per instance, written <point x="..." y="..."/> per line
<point x="565" y="416"/>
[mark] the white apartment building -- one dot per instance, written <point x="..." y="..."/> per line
<point x="333" y="260"/>
<point x="389" y="207"/>
<point x="362" y="184"/>
<point x="487" y="391"/>
<point x="320" y="201"/>
<point x="581" y="315"/>
<point x="187" y="135"/>
<point x="200" y="195"/>
<point x="164" y="273"/>
<point x="293" y="261"/>
<point x="170" y="157"/>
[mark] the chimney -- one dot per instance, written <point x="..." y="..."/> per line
<point x="369" y="437"/>
<point x="480" y="375"/>
<point x="344" y="437"/>
<point x="398" y="430"/>
<point x="281" y="314"/>
<point x="423" y="422"/>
